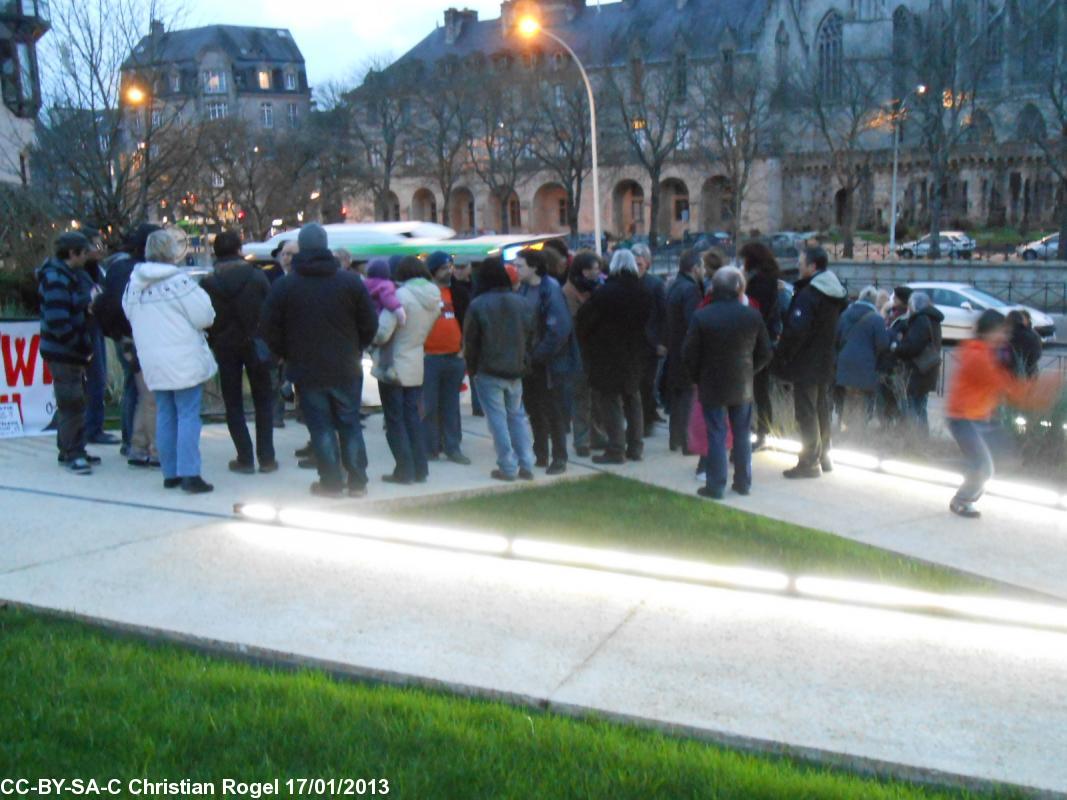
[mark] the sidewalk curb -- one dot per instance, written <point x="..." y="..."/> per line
<point x="266" y="657"/>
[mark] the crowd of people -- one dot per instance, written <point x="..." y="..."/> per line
<point x="563" y="350"/>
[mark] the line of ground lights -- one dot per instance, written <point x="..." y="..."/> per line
<point x="973" y="608"/>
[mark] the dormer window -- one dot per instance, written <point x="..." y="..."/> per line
<point x="214" y="81"/>
<point x="290" y="81"/>
<point x="263" y="79"/>
<point x="175" y="82"/>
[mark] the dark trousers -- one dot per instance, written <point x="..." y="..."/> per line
<point x="623" y="421"/>
<point x="128" y="406"/>
<point x="332" y="413"/>
<point x="978" y="460"/>
<point x="681" y="404"/>
<point x="649" y="371"/>
<point x="811" y="402"/>
<point x="545" y="399"/>
<point x="761" y="388"/>
<point x="917" y="413"/>
<point x="720" y="420"/>
<point x="442" y="379"/>
<point x="96" y="387"/>
<point x="403" y="430"/>
<point x="68" y="382"/>
<point x="232" y="366"/>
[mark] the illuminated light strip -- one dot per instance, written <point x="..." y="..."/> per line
<point x="1009" y="490"/>
<point x="654" y="566"/>
<point x="892" y="598"/>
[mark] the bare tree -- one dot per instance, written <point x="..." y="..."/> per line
<point x="106" y="146"/>
<point x="651" y="102"/>
<point x="440" y="133"/>
<point x="562" y="142"/>
<point x="735" y="110"/>
<point x="842" y="117"/>
<point x="950" y="61"/>
<point x="499" y="138"/>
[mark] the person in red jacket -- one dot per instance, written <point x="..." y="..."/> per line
<point x="979" y="385"/>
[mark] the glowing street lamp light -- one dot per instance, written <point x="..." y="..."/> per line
<point x="135" y="95"/>
<point x="530" y="27"/>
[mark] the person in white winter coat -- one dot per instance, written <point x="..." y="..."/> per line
<point x="169" y="314"/>
<point x="402" y="347"/>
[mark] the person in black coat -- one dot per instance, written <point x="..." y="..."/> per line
<point x="683" y="297"/>
<point x="762" y="272"/>
<point x="919" y="350"/>
<point x="1025" y="344"/>
<point x="611" y="332"/>
<point x="238" y="291"/>
<point x="806" y="358"/>
<point x="727" y="344"/>
<point x="320" y="318"/>
<point x="655" y="335"/>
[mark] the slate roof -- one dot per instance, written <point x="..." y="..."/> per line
<point x="240" y="43"/>
<point x="604" y="38"/>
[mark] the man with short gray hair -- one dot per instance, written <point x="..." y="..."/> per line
<point x="727" y="344"/>
<point x="655" y="335"/>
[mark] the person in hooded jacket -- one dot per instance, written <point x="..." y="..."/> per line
<point x="170" y="314"/>
<point x="402" y="346"/>
<point x="1025" y="345"/>
<point x="861" y="339"/>
<point x="919" y="350"/>
<point x="805" y="358"/>
<point x="320" y="319"/>
<point x="611" y="331"/>
<point x="238" y="291"/>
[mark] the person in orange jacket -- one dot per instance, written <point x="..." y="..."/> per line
<point x="979" y="385"/>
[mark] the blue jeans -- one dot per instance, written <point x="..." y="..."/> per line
<point x="740" y="421"/>
<point x="95" y="386"/>
<point x="178" y="431"/>
<point x="502" y="401"/>
<point x="440" y="402"/>
<point x="332" y="413"/>
<point x="403" y="430"/>
<point x="128" y="406"/>
<point x="978" y="466"/>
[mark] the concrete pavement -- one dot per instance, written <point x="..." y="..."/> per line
<point x="933" y="697"/>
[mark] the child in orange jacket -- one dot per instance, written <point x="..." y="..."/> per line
<point x="979" y="385"/>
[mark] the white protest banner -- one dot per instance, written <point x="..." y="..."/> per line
<point x="10" y="421"/>
<point x="26" y="382"/>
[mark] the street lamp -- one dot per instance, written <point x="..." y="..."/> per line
<point x="920" y="90"/>
<point x="135" y="95"/>
<point x="530" y="27"/>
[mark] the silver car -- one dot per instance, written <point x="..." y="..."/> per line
<point x="953" y="244"/>
<point x="962" y="305"/>
<point x="1048" y="247"/>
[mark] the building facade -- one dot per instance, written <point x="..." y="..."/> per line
<point x="996" y="176"/>
<point x="22" y="24"/>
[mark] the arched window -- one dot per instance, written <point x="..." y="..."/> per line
<point x="830" y="46"/>
<point x="781" y="54"/>
<point x="979" y="130"/>
<point x="1031" y="125"/>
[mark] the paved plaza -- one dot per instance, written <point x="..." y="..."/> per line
<point x="930" y="697"/>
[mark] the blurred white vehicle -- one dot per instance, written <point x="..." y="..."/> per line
<point x="962" y="304"/>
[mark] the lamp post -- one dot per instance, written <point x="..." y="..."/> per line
<point x="136" y="96"/>
<point x="530" y="27"/>
<point x="920" y="90"/>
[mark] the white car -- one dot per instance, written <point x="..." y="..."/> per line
<point x="962" y="304"/>
<point x="1046" y="248"/>
<point x="355" y="233"/>
<point x="954" y="244"/>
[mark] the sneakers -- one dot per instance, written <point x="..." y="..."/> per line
<point x="242" y="467"/>
<point x="93" y="460"/>
<point x="79" y="466"/>
<point x="710" y="494"/>
<point x="500" y="475"/>
<point x="556" y="468"/>
<point x="320" y="489"/>
<point x="458" y="458"/>
<point x="965" y="510"/>
<point x="803" y="471"/>
<point x="196" y="485"/>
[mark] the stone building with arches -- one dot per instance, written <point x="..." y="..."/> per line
<point x="997" y="175"/>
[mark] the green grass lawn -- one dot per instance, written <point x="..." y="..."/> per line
<point x="613" y="512"/>
<point x="78" y="702"/>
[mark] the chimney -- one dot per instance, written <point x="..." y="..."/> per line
<point x="456" y="21"/>
<point x="155" y="27"/>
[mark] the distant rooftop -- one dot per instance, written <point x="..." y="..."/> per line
<point x="241" y="43"/>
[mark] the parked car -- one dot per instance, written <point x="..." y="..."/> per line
<point x="707" y="239"/>
<point x="954" y="244"/>
<point x="344" y="234"/>
<point x="962" y="304"/>
<point x="1048" y="247"/>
